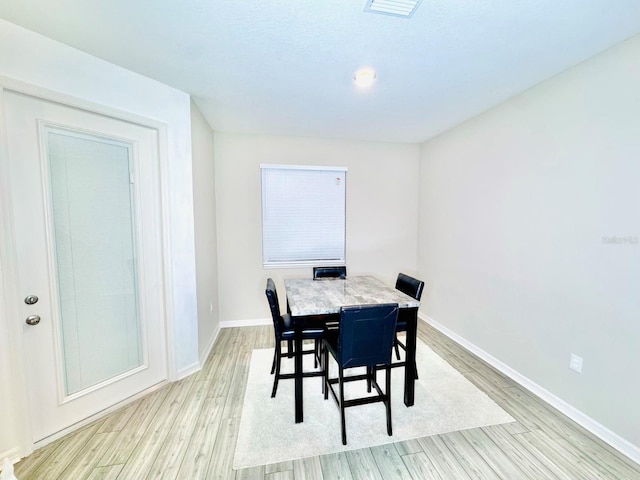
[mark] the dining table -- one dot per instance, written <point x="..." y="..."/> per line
<point x="315" y="302"/>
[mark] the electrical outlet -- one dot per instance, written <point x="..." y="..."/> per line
<point x="210" y="307"/>
<point x="575" y="363"/>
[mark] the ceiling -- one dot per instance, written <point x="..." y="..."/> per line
<point x="286" y="66"/>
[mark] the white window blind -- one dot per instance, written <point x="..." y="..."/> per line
<point x="303" y="215"/>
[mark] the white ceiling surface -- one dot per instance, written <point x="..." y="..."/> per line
<point x="286" y="66"/>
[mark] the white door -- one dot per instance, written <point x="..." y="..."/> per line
<point x="87" y="228"/>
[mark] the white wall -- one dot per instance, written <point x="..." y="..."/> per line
<point x="516" y="207"/>
<point x="204" y="210"/>
<point x="38" y="61"/>
<point x="382" y="198"/>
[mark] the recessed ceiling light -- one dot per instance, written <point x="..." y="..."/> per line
<point x="364" y="77"/>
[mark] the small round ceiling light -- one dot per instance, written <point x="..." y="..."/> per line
<point x="364" y="77"/>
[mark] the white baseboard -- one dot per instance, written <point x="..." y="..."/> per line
<point x="195" y="366"/>
<point x="599" y="430"/>
<point x="207" y="350"/>
<point x="188" y="370"/>
<point x="246" y="323"/>
<point x="13" y="454"/>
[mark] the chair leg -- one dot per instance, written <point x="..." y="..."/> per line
<point x="371" y="377"/>
<point x="273" y="364"/>
<point x="342" y="415"/>
<point x="325" y="374"/>
<point x="278" y="354"/>
<point x="388" y="402"/>
<point x="395" y="345"/>
<point x="324" y="365"/>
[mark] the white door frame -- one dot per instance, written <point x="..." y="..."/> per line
<point x="9" y="297"/>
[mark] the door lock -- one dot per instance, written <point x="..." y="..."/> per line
<point x="31" y="300"/>
<point x="33" y="319"/>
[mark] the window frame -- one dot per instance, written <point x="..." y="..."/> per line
<point x="290" y="263"/>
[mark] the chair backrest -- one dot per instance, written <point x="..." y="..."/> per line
<point x="366" y="334"/>
<point x="272" y="297"/>
<point x="409" y="285"/>
<point x="330" y="272"/>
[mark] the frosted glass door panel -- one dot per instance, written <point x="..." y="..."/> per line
<point x="93" y="221"/>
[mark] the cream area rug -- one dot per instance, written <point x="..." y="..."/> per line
<point x="445" y="401"/>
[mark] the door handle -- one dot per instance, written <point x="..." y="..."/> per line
<point x="33" y="320"/>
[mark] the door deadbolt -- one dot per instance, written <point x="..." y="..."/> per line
<point x="33" y="319"/>
<point x="31" y="299"/>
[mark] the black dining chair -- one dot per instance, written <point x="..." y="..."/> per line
<point x="364" y="339"/>
<point x="330" y="272"/>
<point x="283" y="331"/>
<point x="320" y="273"/>
<point x="412" y="287"/>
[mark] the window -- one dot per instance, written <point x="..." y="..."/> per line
<point x="303" y="215"/>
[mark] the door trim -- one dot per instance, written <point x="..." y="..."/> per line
<point x="21" y="428"/>
<point x="9" y="302"/>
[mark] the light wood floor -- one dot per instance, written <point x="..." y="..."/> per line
<point x="188" y="430"/>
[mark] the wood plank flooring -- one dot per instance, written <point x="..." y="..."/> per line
<point x="188" y="430"/>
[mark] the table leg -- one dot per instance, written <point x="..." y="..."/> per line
<point x="298" y="377"/>
<point x="410" y="359"/>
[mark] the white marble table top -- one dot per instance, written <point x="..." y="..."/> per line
<point x="306" y="296"/>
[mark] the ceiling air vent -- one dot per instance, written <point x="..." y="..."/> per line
<point x="397" y="8"/>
